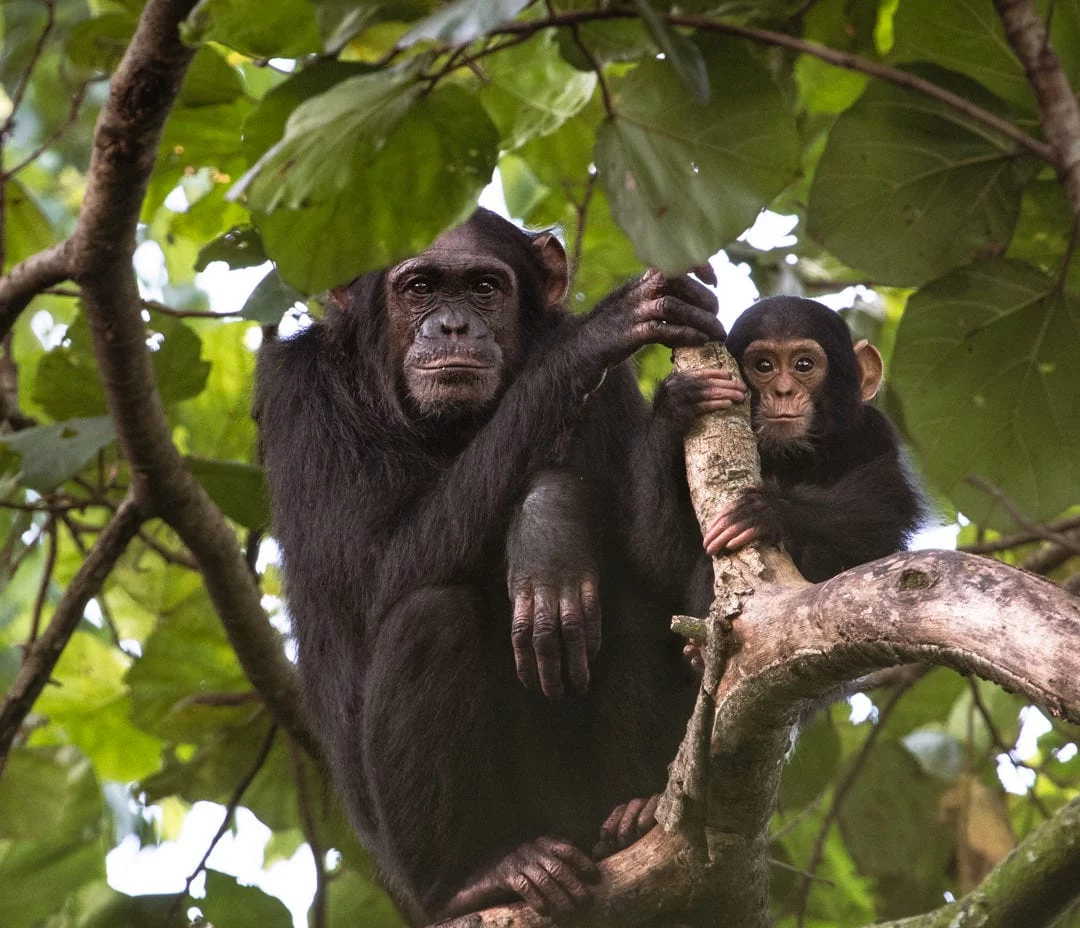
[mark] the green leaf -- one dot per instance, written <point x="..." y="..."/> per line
<point x="239" y="247"/>
<point x="229" y="903"/>
<point x="929" y="700"/>
<point x="684" y="55"/>
<point x="908" y="187"/>
<point x="210" y="80"/>
<point x="682" y="179"/>
<point x="938" y="752"/>
<point x="266" y="124"/>
<point x="891" y="827"/>
<point x="612" y="40"/>
<point x="26" y="231"/>
<point x="239" y="489"/>
<point x="98" y="906"/>
<point x="98" y="44"/>
<point x="32" y="800"/>
<point x="355" y="902"/>
<point x="423" y="180"/>
<point x="90" y="709"/>
<point x="53" y="453"/>
<point x="462" y="21"/>
<point x="531" y="90"/>
<point x="329" y="139"/>
<point x="985" y="360"/>
<point x="270" y="299"/>
<point x="967" y="37"/>
<point x="186" y="654"/>
<point x="813" y="764"/>
<point x="38" y="874"/>
<point x="282" y="29"/>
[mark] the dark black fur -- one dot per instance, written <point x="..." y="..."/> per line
<point x="847" y="498"/>
<point x="396" y="530"/>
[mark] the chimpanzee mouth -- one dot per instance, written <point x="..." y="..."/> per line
<point x="453" y="364"/>
<point x="794" y="417"/>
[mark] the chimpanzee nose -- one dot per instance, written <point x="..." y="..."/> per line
<point x="445" y="323"/>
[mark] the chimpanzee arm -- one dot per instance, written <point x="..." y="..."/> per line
<point x="868" y="513"/>
<point x="553" y="572"/>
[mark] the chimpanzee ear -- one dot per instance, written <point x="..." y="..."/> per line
<point x="338" y="295"/>
<point x="871" y="368"/>
<point x="553" y="255"/>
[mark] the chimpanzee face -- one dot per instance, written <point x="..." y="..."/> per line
<point x="453" y="313"/>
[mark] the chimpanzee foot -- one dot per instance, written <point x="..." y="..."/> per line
<point x="625" y="825"/>
<point x="548" y="874"/>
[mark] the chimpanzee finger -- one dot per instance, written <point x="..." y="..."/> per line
<point x="521" y="884"/>
<point x="721" y="521"/>
<point x="554" y="895"/>
<point x="692" y="652"/>
<point x="521" y="635"/>
<point x="742" y="539"/>
<point x="675" y="311"/>
<point x="691" y="291"/>
<point x="590" y="607"/>
<point x="627" y="832"/>
<point x="546" y="641"/>
<point x="705" y="272"/>
<point x="568" y="881"/>
<point x="734" y="536"/>
<point x="572" y="621"/>
<point x="583" y="865"/>
<point x="647" y="816"/>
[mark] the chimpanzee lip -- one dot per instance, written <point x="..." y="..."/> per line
<point x="454" y="364"/>
<point x="789" y="418"/>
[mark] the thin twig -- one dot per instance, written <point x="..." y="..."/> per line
<point x="73" y="114"/>
<point x="24" y="79"/>
<point x="106" y="612"/>
<point x="153" y="305"/>
<point x="1008" y="542"/>
<point x="311" y="835"/>
<point x="1019" y="517"/>
<point x="46" y="580"/>
<point x="230" y="811"/>
<point x="802" y="894"/>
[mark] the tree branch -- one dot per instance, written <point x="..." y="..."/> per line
<point x="125" y="145"/>
<point x="41" y="658"/>
<point x="1059" y="113"/>
<point x="838" y="59"/>
<point x="28" y="278"/>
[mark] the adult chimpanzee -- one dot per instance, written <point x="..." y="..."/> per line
<point x="834" y="489"/>
<point x="446" y="427"/>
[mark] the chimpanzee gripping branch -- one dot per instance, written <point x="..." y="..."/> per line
<point x="776" y="644"/>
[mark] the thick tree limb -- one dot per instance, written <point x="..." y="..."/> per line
<point x="125" y="145"/>
<point x="41" y="657"/>
<point x="1059" y="113"/>
<point x="28" y="278"/>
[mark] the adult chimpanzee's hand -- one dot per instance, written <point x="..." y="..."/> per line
<point x="555" y="616"/>
<point x="677" y="312"/>
<point x="550" y="875"/>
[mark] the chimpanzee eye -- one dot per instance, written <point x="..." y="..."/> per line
<point x="763" y="366"/>
<point x="419" y="286"/>
<point x="485" y="286"/>
<point x="804" y="365"/>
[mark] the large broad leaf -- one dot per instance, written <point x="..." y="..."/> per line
<point x="210" y="80"/>
<point x="36" y="875"/>
<point x="908" y="187"/>
<point x="266" y="124"/>
<point x="26" y="231"/>
<point x="239" y="247"/>
<point x="98" y="44"/>
<point x="684" y="179"/>
<point x="239" y="489"/>
<point x="531" y="90"/>
<point x="967" y="36"/>
<point x="385" y="193"/>
<point x="270" y="300"/>
<point x="685" y="57"/>
<point x="985" y="361"/>
<point x="463" y="20"/>
<point x="328" y="140"/>
<point x="67" y="385"/>
<point x="229" y="903"/>
<point x="50" y="454"/>
<point x="282" y="29"/>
